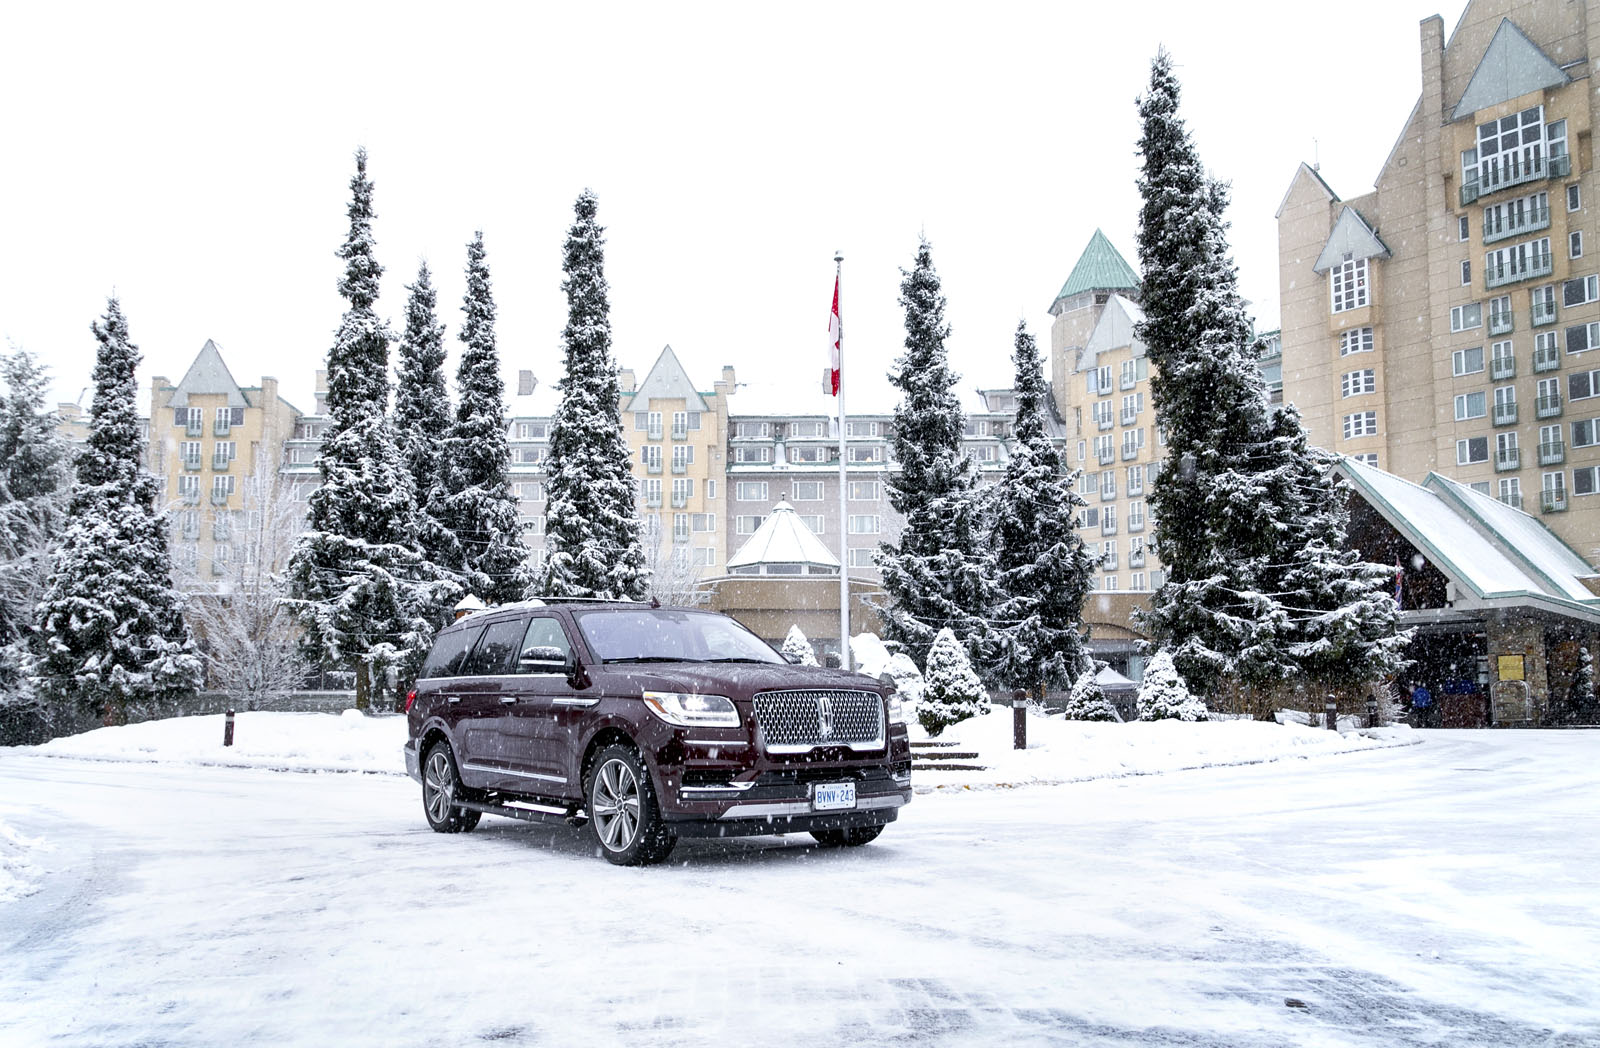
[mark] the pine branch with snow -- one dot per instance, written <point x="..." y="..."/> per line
<point x="1087" y="700"/>
<point x="422" y="418"/>
<point x="951" y="691"/>
<point x="797" y="649"/>
<point x="1164" y="696"/>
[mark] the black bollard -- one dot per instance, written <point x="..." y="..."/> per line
<point x="1332" y="710"/>
<point x="227" y="729"/>
<point x="1019" y="720"/>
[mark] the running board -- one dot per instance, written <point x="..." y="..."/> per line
<point x="529" y="811"/>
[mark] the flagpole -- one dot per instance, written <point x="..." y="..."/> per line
<point x="844" y="504"/>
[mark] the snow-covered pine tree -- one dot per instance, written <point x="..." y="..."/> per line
<point x="480" y="509"/>
<point x="1585" y="704"/>
<point x="797" y="649"/>
<point x="111" y="637"/>
<point x="592" y="528"/>
<point x="1042" y="567"/>
<point x="1087" y="700"/>
<point x="1225" y="499"/>
<point x="939" y="575"/>
<point x="422" y="418"/>
<point x="1163" y="694"/>
<point x="951" y="690"/>
<point x="34" y="479"/>
<point x="362" y="590"/>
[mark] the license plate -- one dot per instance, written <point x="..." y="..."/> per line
<point x="833" y="796"/>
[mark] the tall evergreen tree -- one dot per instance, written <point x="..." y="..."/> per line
<point x="422" y="418"/>
<point x="361" y="587"/>
<point x="1042" y="567"/>
<point x="480" y="509"/>
<point x="938" y="576"/>
<point x="592" y="528"/>
<point x="111" y="632"/>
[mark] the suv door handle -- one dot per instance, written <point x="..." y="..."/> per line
<point x="507" y="700"/>
<point x="453" y="698"/>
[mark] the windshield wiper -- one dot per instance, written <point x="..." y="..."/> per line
<point x="648" y="658"/>
<point x="759" y="662"/>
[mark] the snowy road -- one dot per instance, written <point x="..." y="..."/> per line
<point x="1441" y="894"/>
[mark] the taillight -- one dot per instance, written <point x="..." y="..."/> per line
<point x="411" y="696"/>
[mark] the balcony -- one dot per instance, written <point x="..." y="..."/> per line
<point x="195" y="429"/>
<point x="1107" y="456"/>
<point x="680" y="432"/>
<point x="1517" y="171"/>
<point x="680" y="537"/>
<point x="1105" y="422"/>
<point x="1512" y="499"/>
<point x="1135" y="489"/>
<point x="1135" y="557"/>
<point x="679" y="466"/>
<point x="1500" y="323"/>
<point x="1503" y="367"/>
<point x="1553" y="500"/>
<point x="652" y="467"/>
<point x="1552" y="452"/>
<point x="220" y="463"/>
<point x="1536" y="264"/>
<point x="1108" y="561"/>
<point x="1507" y="459"/>
<point x="652" y="501"/>
<point x="189" y="498"/>
<point x="1108" y="526"/>
<point x="1544" y="313"/>
<point x="1532" y="219"/>
<point x="1548" y="406"/>
<point x="191" y="463"/>
<point x="1127" y="382"/>
<point x="222" y="427"/>
<point x="1107" y="494"/>
<point x="220" y="530"/>
<point x="1505" y="414"/>
<point x="679" y="501"/>
<point x="1128" y="418"/>
<point x="653" y="432"/>
<point x="1135" y="523"/>
<point x="1546" y="358"/>
<point x="219" y="498"/>
<point x="1130" y="451"/>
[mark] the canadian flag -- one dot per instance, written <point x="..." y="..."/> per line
<point x="833" y="342"/>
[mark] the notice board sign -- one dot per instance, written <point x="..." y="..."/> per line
<point x="1509" y="667"/>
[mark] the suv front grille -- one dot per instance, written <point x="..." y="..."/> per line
<point x="797" y="721"/>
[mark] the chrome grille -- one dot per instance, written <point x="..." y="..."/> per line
<point x="796" y="721"/>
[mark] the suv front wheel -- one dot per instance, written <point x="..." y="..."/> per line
<point x="623" y="812"/>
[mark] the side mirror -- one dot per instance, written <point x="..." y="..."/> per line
<point x="541" y="659"/>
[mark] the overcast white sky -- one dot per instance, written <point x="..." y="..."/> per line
<point x="196" y="160"/>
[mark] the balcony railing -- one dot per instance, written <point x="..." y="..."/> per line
<point x="189" y="498"/>
<point x="1544" y="313"/>
<point x="679" y="466"/>
<point x="1553" y="500"/>
<point x="680" y="432"/>
<point x="220" y="530"/>
<point x="1135" y="489"/>
<point x="220" y="463"/>
<point x="1130" y="417"/>
<point x="1512" y="499"/>
<point x="1500" y="323"/>
<point x="1108" y="561"/>
<point x="1546" y="358"/>
<point x="1107" y="494"/>
<point x="1136" y="523"/>
<point x="1548" y="406"/>
<point x="1552" y="452"/>
<point x="191" y="463"/>
<point x="1108" y="526"/>
<point x="1127" y="381"/>
<point x="1135" y="557"/>
<point x="1493" y="177"/>
<point x="1505" y="414"/>
<point x="652" y="467"/>
<point x="195" y="429"/>
<point x="1104" y="422"/>
<point x="653" y="432"/>
<point x="219" y="498"/>
<point x="679" y="501"/>
<point x="1130" y="451"/>
<point x="1107" y="456"/>
<point x="222" y="427"/>
<point x="1533" y="219"/>
<point x="191" y="531"/>
<point x="1534" y="264"/>
<point x="680" y="537"/>
<point x="653" y="501"/>
<point x="1503" y="367"/>
<point x="1507" y="459"/>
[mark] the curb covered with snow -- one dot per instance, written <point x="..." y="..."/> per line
<point x="18" y="876"/>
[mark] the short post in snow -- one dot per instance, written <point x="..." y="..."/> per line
<point x="1019" y="720"/>
<point x="227" y="729"/>
<point x="1333" y="714"/>
<point x="1372" y="711"/>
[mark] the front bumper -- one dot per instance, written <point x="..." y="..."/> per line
<point x="413" y="763"/>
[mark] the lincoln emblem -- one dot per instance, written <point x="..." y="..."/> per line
<point x="825" y="717"/>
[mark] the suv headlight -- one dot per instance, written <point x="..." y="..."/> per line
<point x="897" y="709"/>
<point x="692" y="711"/>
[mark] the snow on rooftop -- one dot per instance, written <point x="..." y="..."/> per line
<point x="801" y="398"/>
<point x="783" y="538"/>
<point x="1528" y="539"/>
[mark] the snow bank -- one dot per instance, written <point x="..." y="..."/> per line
<point x="18" y="876"/>
<point x="1060" y="750"/>
<point x="349" y="741"/>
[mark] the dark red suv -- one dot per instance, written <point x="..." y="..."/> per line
<point x="649" y="724"/>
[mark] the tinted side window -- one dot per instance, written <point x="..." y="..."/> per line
<point x="449" y="651"/>
<point x="496" y="652"/>
<point x="546" y="633"/>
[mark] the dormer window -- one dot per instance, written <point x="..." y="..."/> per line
<point x="1348" y="281"/>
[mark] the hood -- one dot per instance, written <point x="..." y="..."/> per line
<point x="735" y="680"/>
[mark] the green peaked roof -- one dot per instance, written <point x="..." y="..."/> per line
<point x="1099" y="268"/>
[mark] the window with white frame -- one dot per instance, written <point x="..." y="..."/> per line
<point x="682" y="455"/>
<point x="189" y="486"/>
<point x="1105" y="447"/>
<point x="1512" y="148"/>
<point x="1467" y="317"/>
<point x="1463" y="229"/>
<point x="531" y="491"/>
<point x="983" y="452"/>
<point x="222" y="487"/>
<point x="752" y="429"/>
<point x="1511" y="490"/>
<point x="1367" y="458"/>
<point x="861" y="429"/>
<point x="1348" y="284"/>
<point x="864" y="524"/>
<point x="1586" y="480"/>
<point x="1466" y="273"/>
<point x="1499" y="312"/>
<point x="680" y="423"/>
<point x="750" y="491"/>
<point x="1089" y="518"/>
<point x="1083" y="450"/>
<point x="705" y="556"/>
<point x="747" y="524"/>
<point x="1549" y="436"/>
<point x="1580" y="290"/>
<point x="864" y="491"/>
<point x="535" y="525"/>
<point x="1109" y="584"/>
<point x="1549" y="392"/>
<point x="650" y="488"/>
<point x="1480" y="486"/>
<point x="1108" y="520"/>
<point x="1581" y="385"/>
<point x="1501" y="355"/>
<point x="1471" y="450"/>
<point x="1135" y="480"/>
<point x="1360" y="424"/>
<point x="1108" y="484"/>
<point x="1505" y="446"/>
<point x="1132" y="441"/>
<point x="1101" y="411"/>
<point x="805" y="491"/>
<point x="1554" y="484"/>
<point x="868" y="453"/>
<point x="189" y="452"/>
<point x="752" y="453"/>
<point x="814" y="521"/>
<point x="703" y="522"/>
<point x="1087" y="483"/>
<point x="1108" y="554"/>
<point x="1136" y="515"/>
<point x="861" y="556"/>
<point x="1355" y="340"/>
<point x="1471" y="405"/>
<point x="711" y="489"/>
<point x="1583" y="337"/>
<point x="812" y="453"/>
<point x="1585" y="432"/>
<point x="650" y="454"/>
<point x="1542" y="300"/>
<point x="1355" y="383"/>
<point x="1574" y="198"/>
<point x="1132" y="405"/>
<point x="682" y="490"/>
<point x="1517" y="261"/>
<point x="1136" y="581"/>
<point x="1575" y="244"/>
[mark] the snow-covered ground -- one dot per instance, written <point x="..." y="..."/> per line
<point x="1435" y="894"/>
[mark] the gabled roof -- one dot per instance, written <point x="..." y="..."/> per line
<point x="1112" y="331"/>
<point x="668" y="381"/>
<point x="1099" y="268"/>
<point x="1352" y="238"/>
<point x="783" y="538"/>
<point x="208" y="374"/>
<point x="1493" y="553"/>
<point x="1305" y="170"/>
<point x="1512" y="66"/>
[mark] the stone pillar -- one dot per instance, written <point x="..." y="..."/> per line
<point x="1518" y="702"/>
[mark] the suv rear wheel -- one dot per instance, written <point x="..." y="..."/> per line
<point x="441" y="788"/>
<point x="623" y="813"/>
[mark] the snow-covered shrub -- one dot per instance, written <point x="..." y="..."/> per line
<point x="1164" y="696"/>
<point x="797" y="649"/>
<point x="1086" y="701"/>
<point x="951" y="691"/>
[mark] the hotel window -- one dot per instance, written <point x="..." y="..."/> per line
<point x="814" y="521"/>
<point x="1471" y="450"/>
<point x="651" y="489"/>
<point x="983" y="453"/>
<point x="682" y="490"/>
<point x="1466" y="361"/>
<point x="1585" y="433"/>
<point x="1368" y="458"/>
<point x="756" y="454"/>
<point x="650" y="454"/>
<point x="1463" y="228"/>
<point x="746" y="525"/>
<point x="1136" y="581"/>
<point x="750" y="491"/>
<point x="1467" y="317"/>
<point x="1575" y="244"/>
<point x="1511" y="491"/>
<point x="1110" y="584"/>
<point x="1355" y="383"/>
<point x="1348" y="282"/>
<point x="221" y="487"/>
<point x="1512" y="148"/>
<point x="682" y="455"/>
<point x="1471" y="405"/>
<point x="1361" y="424"/>
<point x="864" y="491"/>
<point x="806" y="491"/>
<point x="1108" y="484"/>
<point x="705" y="556"/>
<point x="188" y="486"/>
<point x="702" y="522"/>
<point x="1583" y="337"/>
<point x="804" y="429"/>
<point x="1135" y="480"/>
<point x="1543" y="302"/>
<point x="861" y="429"/>
<point x="813" y="453"/>
<point x="1355" y="340"/>
<point x="1135" y="515"/>
<point x="861" y="557"/>
<point x="1580" y="290"/>
<point x="752" y="429"/>
<point x="869" y="453"/>
<point x="1466" y="273"/>
<point x="864" y="524"/>
<point x="1101" y="412"/>
<point x="1586" y="481"/>
<point x="1582" y="385"/>
<point x="1132" y="441"/>
<point x="1574" y="198"/>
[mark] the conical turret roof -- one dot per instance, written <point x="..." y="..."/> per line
<point x="1100" y="268"/>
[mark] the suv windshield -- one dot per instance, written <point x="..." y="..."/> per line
<point x="668" y="635"/>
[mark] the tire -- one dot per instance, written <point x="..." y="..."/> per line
<point x="441" y="787"/>
<point x="623" y="813"/>
<point x="854" y="837"/>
